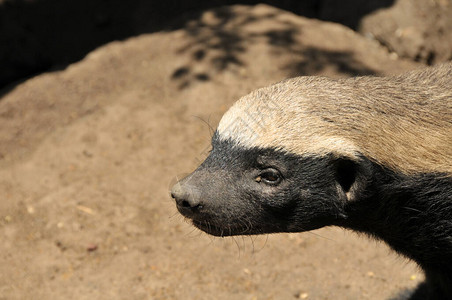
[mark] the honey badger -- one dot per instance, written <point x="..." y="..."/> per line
<point x="371" y="154"/>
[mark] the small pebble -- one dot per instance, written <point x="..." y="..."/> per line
<point x="91" y="248"/>
<point x="371" y="274"/>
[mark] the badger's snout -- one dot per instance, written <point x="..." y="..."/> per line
<point x="209" y="198"/>
<point x="188" y="197"/>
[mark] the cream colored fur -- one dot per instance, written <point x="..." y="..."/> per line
<point x="402" y="122"/>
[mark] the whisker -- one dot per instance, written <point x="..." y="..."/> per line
<point x="252" y="243"/>
<point x="211" y="130"/>
<point x="192" y="231"/>
<point x="413" y="209"/>
<point x="173" y="215"/>
<point x="266" y="240"/>
<point x="320" y="236"/>
<point x="237" y="244"/>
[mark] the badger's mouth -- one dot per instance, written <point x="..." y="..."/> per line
<point x="215" y="229"/>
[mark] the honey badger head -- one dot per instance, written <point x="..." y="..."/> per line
<point x="271" y="169"/>
<point x="239" y="190"/>
<point x="306" y="152"/>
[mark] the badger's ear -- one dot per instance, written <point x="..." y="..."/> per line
<point x="351" y="177"/>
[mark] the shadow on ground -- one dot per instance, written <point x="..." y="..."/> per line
<point x="46" y="35"/>
<point x="219" y="39"/>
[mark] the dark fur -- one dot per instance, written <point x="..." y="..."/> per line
<point x="413" y="214"/>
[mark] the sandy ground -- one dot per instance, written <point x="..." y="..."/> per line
<point x="87" y="156"/>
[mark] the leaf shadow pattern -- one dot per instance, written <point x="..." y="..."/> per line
<point x="213" y="40"/>
<point x="217" y="40"/>
<point x="313" y="61"/>
<point x="47" y="35"/>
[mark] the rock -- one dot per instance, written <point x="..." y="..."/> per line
<point x="415" y="29"/>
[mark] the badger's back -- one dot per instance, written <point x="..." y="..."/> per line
<point x="402" y="122"/>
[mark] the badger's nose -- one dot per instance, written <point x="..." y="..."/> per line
<point x="187" y="197"/>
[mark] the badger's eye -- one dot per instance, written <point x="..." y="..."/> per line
<point x="269" y="176"/>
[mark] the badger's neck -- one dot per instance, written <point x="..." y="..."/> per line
<point x="413" y="214"/>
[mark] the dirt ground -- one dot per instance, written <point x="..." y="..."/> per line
<point x="88" y="154"/>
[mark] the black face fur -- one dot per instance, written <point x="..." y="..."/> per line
<point x="238" y="191"/>
<point x="252" y="191"/>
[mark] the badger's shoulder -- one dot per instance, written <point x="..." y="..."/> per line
<point x="402" y="122"/>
